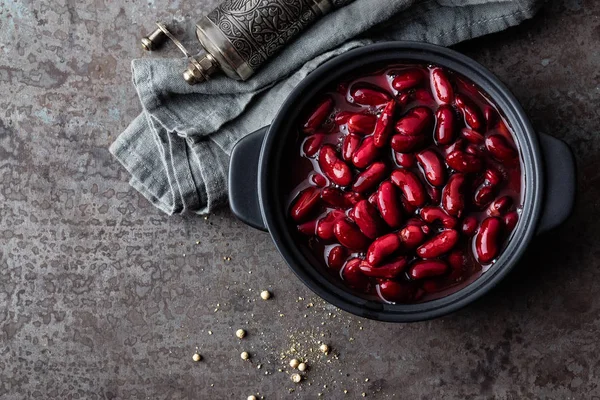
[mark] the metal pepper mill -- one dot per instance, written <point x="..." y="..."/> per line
<point x="241" y="35"/>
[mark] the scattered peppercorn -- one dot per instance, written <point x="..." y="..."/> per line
<point x="294" y="363"/>
<point x="240" y="333"/>
<point x="252" y="397"/>
<point x="302" y="367"/>
<point x="265" y="295"/>
<point x="324" y="348"/>
<point x="245" y="355"/>
<point x="296" y="378"/>
<point x="196" y="357"/>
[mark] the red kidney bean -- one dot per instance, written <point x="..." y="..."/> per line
<point x="406" y="144"/>
<point x="342" y="117"/>
<point x="308" y="228"/>
<point x="453" y="198"/>
<point x="383" y="247"/>
<point x="435" y="214"/>
<point x="474" y="150"/>
<point x="493" y="177"/>
<point x="432" y="166"/>
<point x="411" y="187"/>
<point x="472" y="136"/>
<point x="337" y="257"/>
<point x="469" y="226"/>
<point x="484" y="195"/>
<point x="390" y="270"/>
<point x="326" y="224"/>
<point x="499" y="147"/>
<point x="510" y="221"/>
<point x="383" y="126"/>
<point x="408" y="208"/>
<point x="503" y="128"/>
<point x="396" y="292"/>
<point x="406" y="160"/>
<point x="469" y="110"/>
<point x="427" y="269"/>
<point x="441" y="86"/>
<point x="349" y="235"/>
<point x="333" y="167"/>
<point x="423" y="96"/>
<point x="389" y="205"/>
<point x="418" y="222"/>
<point x="464" y="162"/>
<point x="445" y="125"/>
<point x="349" y="145"/>
<point x="367" y="218"/>
<point x="334" y="197"/>
<point x="456" y="260"/>
<point x="490" y="115"/>
<point x="369" y="97"/>
<point x="353" y="276"/>
<point x="362" y="124"/>
<point x="456" y="275"/>
<point x="305" y="203"/>
<point x="373" y="199"/>
<point x="407" y="79"/>
<point x="318" y="116"/>
<point x="366" y="153"/>
<point x="458" y="145"/>
<point x="370" y="177"/>
<point x="434" y="193"/>
<point x="500" y="206"/>
<point x="411" y="236"/>
<point x="403" y="99"/>
<point x="352" y="198"/>
<point x="488" y="239"/>
<point x="312" y="144"/>
<point x="415" y="122"/>
<point x="350" y="213"/>
<point x="438" y="245"/>
<point x="318" y="180"/>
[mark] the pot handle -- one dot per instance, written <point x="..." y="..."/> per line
<point x="559" y="195"/>
<point x="243" y="179"/>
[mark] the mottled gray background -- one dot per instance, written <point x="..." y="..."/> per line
<point x="103" y="297"/>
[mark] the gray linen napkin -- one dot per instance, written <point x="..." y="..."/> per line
<point x="177" y="150"/>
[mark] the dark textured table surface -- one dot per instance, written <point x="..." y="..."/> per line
<point x="103" y="297"/>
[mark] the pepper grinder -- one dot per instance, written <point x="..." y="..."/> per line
<point x="241" y="35"/>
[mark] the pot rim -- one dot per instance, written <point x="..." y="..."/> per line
<point x="273" y="208"/>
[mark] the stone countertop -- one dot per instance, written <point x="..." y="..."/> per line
<point x="104" y="297"/>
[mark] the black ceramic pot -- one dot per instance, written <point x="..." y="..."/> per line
<point x="258" y="160"/>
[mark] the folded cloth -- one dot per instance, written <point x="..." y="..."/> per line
<point x="177" y="150"/>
